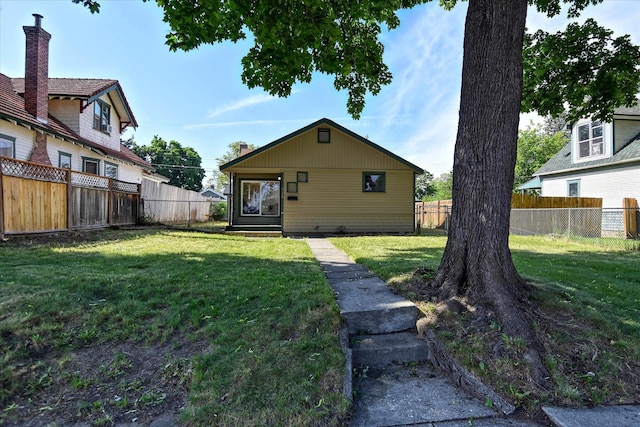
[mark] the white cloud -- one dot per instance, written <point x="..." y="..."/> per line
<point x="243" y="103"/>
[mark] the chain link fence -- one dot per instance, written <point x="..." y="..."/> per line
<point x="573" y="222"/>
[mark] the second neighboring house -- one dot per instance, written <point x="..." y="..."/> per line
<point x="601" y="160"/>
<point x="66" y="122"/>
<point x="321" y="179"/>
<point x="214" y="195"/>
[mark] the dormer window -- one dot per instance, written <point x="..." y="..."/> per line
<point x="101" y="116"/>
<point x="590" y="139"/>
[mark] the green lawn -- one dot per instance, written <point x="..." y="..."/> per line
<point x="588" y="297"/>
<point x="259" y="311"/>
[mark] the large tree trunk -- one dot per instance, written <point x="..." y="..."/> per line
<point x="477" y="262"/>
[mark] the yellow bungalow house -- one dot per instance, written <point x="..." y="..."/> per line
<point x="321" y="179"/>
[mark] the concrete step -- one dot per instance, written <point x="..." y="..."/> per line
<point x="379" y="351"/>
<point x="368" y="306"/>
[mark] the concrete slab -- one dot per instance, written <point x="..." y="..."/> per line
<point x="378" y="351"/>
<point x="411" y="395"/>
<point x="368" y="306"/>
<point x="602" y="416"/>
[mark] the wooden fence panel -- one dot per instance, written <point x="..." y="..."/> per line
<point x="124" y="208"/>
<point x="630" y="215"/>
<point x="167" y="204"/>
<point x="33" y="205"/>
<point x="90" y="207"/>
<point x="526" y="201"/>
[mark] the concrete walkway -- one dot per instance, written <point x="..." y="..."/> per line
<point x="393" y="383"/>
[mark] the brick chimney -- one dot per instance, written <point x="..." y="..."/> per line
<point x="36" y="72"/>
<point x="36" y="83"/>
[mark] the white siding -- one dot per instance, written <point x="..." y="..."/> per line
<point x="87" y="131"/>
<point x="66" y="111"/>
<point x="610" y="185"/>
<point x="624" y="131"/>
<point x="24" y="139"/>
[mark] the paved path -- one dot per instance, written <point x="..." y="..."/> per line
<point x="415" y="394"/>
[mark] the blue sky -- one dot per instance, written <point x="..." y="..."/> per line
<point x="197" y="98"/>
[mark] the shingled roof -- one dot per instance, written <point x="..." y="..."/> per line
<point x="561" y="161"/>
<point x="12" y="109"/>
<point x="85" y="89"/>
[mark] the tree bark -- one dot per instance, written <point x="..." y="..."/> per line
<point x="477" y="261"/>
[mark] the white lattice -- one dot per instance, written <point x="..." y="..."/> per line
<point x="30" y="170"/>
<point x="88" y="180"/>
<point x="125" y="187"/>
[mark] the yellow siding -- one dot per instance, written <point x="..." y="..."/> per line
<point x="304" y="152"/>
<point x="332" y="200"/>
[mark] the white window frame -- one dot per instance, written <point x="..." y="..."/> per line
<point x="110" y="166"/>
<point x="7" y="143"/>
<point x="252" y="198"/>
<point x="575" y="182"/>
<point x="590" y="139"/>
<point x="101" y="116"/>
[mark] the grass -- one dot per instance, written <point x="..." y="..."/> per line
<point x="259" y="310"/>
<point x="587" y="299"/>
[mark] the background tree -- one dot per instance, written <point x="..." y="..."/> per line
<point x="424" y="186"/>
<point x="182" y="165"/>
<point x="535" y="147"/>
<point x="340" y="38"/>
<point x="443" y="187"/>
<point x="233" y="152"/>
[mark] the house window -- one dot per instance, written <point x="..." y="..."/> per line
<point x="260" y="198"/>
<point x="373" y="182"/>
<point x="91" y="166"/>
<point x="573" y="188"/>
<point x="101" y="116"/>
<point x="111" y="170"/>
<point x="292" y="187"/>
<point x="324" y="135"/>
<point x="7" y="146"/>
<point x="590" y="139"/>
<point x="64" y="160"/>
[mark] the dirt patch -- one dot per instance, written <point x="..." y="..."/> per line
<point x="108" y="384"/>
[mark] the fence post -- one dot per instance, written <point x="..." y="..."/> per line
<point x="1" y="204"/>
<point x="69" y="201"/>
<point x="569" y="224"/>
<point x="189" y="214"/>
<point x="630" y="206"/>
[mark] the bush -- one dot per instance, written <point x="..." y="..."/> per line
<point x="218" y="211"/>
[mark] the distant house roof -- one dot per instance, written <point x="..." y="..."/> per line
<point x="12" y="109"/>
<point x="85" y="89"/>
<point x="629" y="152"/>
<point x="212" y="192"/>
<point x="533" y="184"/>
<point x="327" y="122"/>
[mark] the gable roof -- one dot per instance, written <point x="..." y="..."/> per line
<point x="86" y="89"/>
<point x="12" y="109"/>
<point x="561" y="161"/>
<point x="327" y="122"/>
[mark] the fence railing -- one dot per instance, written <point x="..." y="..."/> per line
<point x="38" y="198"/>
<point x="574" y="222"/>
<point x="621" y="222"/>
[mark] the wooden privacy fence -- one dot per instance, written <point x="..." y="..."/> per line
<point x="166" y="204"/>
<point x="433" y="214"/>
<point x="535" y="215"/>
<point x="36" y="198"/>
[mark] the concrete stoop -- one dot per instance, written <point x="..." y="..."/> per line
<point x="380" y="351"/>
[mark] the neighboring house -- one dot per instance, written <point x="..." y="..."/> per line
<point x="321" y="179"/>
<point x="601" y="160"/>
<point x="214" y="195"/>
<point x="66" y="122"/>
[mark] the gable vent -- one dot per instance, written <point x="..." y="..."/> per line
<point x="324" y="135"/>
